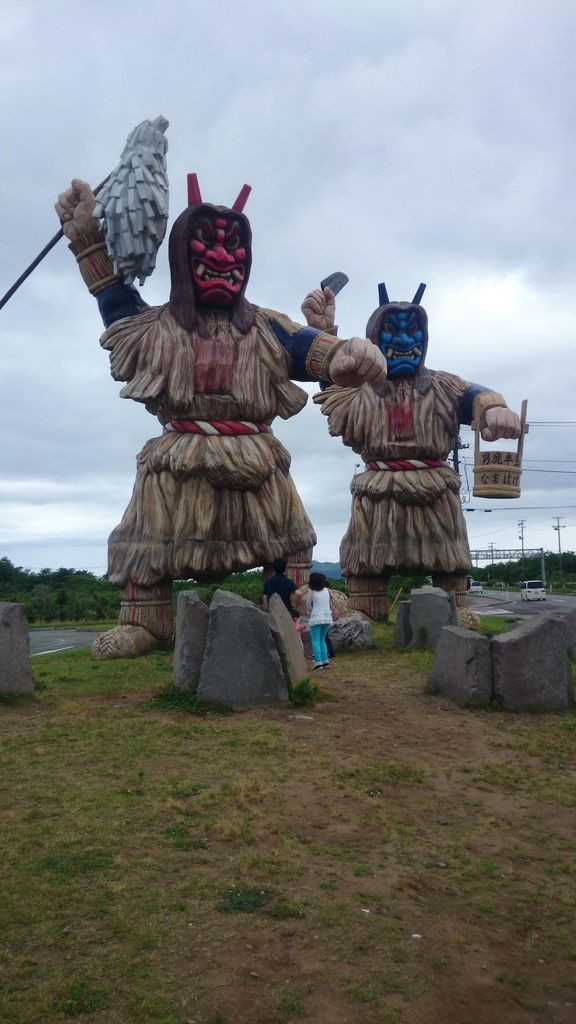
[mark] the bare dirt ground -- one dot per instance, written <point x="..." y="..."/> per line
<point x="378" y="857"/>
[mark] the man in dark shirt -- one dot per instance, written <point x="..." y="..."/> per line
<point x="279" y="583"/>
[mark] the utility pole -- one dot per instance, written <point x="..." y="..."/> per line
<point x="491" y="546"/>
<point x="558" y="528"/>
<point x="521" y="526"/>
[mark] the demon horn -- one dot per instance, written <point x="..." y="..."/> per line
<point x="239" y="203"/>
<point x="383" y="295"/>
<point x="194" y="195"/>
<point x="419" y="294"/>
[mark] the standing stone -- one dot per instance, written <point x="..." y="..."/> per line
<point x="351" y="632"/>
<point x="431" y="609"/>
<point x="531" y="668"/>
<point x="191" y="633"/>
<point x="15" y="672"/>
<point x="569" y="619"/>
<point x="288" y="643"/>
<point x="402" y="627"/>
<point x="241" y="664"/>
<point x="462" y="667"/>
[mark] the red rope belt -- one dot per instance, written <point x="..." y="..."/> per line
<point x="396" y="465"/>
<point x="208" y="428"/>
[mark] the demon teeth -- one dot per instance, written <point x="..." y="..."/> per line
<point x="206" y="274"/>
<point x="412" y="354"/>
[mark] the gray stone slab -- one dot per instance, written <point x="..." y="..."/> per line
<point x="288" y="643"/>
<point x="402" y="627"/>
<point x="351" y="632"/>
<point x="530" y="666"/>
<point x="241" y="664"/>
<point x="462" y="667"/>
<point x="190" y="640"/>
<point x="15" y="672"/>
<point x="431" y="609"/>
<point x="568" y="617"/>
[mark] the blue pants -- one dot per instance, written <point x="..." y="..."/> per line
<point x="319" y="650"/>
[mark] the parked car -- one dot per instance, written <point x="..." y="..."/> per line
<point x="532" y="590"/>
<point x="475" y="587"/>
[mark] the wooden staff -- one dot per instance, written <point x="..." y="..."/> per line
<point x="53" y="241"/>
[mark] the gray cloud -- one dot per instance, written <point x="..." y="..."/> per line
<point x="398" y="142"/>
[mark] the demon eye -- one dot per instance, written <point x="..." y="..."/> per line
<point x="233" y="241"/>
<point x="203" y="232"/>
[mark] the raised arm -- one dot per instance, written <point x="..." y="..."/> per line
<point x="354" y="362"/>
<point x="75" y="209"/>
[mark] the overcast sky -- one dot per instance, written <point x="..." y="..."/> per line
<point x="429" y="140"/>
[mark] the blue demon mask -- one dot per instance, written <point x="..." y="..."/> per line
<point x="400" y="329"/>
<point x="401" y="342"/>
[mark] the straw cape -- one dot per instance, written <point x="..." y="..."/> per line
<point x="406" y="515"/>
<point x="206" y="505"/>
<point x="402" y="518"/>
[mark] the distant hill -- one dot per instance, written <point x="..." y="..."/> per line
<point x="330" y="569"/>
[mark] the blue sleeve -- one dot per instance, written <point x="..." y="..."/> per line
<point x="467" y="402"/>
<point x="119" y="300"/>
<point x="297" y="346"/>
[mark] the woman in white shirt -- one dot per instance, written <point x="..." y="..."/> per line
<point x="318" y="603"/>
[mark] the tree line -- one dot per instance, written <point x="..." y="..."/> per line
<point x="560" y="572"/>
<point x="76" y="595"/>
<point x="59" y="595"/>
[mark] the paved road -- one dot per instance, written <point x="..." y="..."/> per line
<point x="502" y="602"/>
<point x="50" y="641"/>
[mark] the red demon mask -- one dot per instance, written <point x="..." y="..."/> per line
<point x="210" y="258"/>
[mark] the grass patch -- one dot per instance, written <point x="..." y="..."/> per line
<point x="171" y="698"/>
<point x="373" y="992"/>
<point x="155" y="858"/>
<point x="242" y="899"/>
<point x="373" y="778"/>
<point x="496" y="624"/>
<point x="79" y="996"/>
<point x="11" y="700"/>
<point x="304" y="693"/>
<point x="67" y="863"/>
<point x="290" y="1004"/>
<point x="245" y="899"/>
<point x="75" y="674"/>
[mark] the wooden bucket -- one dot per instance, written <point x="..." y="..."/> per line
<point x="497" y="473"/>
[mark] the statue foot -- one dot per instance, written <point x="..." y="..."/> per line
<point x="123" y="642"/>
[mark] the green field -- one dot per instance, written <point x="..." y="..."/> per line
<point x="380" y="855"/>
